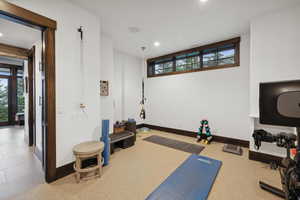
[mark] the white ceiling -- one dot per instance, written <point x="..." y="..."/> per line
<point x="18" y="35"/>
<point x="176" y="24"/>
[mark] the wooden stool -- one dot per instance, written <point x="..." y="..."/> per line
<point x="88" y="150"/>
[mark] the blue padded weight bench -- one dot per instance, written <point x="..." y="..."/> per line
<point x="192" y="180"/>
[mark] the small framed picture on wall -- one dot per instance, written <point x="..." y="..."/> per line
<point x="104" y="90"/>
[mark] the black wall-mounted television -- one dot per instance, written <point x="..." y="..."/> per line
<point x="279" y="103"/>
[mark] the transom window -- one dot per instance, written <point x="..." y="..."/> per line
<point x="188" y="61"/>
<point x="214" y="56"/>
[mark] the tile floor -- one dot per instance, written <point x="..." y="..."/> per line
<point x="20" y="170"/>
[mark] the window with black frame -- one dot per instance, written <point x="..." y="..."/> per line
<point x="214" y="56"/>
<point x="4" y="95"/>
<point x="12" y="98"/>
<point x="187" y="62"/>
<point x="161" y="67"/>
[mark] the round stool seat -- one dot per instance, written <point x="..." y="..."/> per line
<point x="88" y="148"/>
<point x="85" y="151"/>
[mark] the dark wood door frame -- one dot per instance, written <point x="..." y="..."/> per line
<point x="48" y="27"/>
<point x="12" y="51"/>
<point x="31" y="94"/>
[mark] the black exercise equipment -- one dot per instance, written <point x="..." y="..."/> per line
<point x="286" y="140"/>
<point x="280" y="105"/>
<point x="234" y="149"/>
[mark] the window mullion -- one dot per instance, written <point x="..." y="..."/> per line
<point x="201" y="59"/>
<point x="174" y="64"/>
<point x="217" y="54"/>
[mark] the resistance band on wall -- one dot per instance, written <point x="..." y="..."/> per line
<point x="143" y="111"/>
<point x="82" y="104"/>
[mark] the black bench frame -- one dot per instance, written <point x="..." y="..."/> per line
<point x="122" y="140"/>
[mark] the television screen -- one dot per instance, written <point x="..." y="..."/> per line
<point x="279" y="103"/>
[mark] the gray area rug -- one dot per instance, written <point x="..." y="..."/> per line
<point x="175" y="144"/>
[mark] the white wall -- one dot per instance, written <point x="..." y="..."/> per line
<point x="124" y="73"/>
<point x="127" y="86"/>
<point x="274" y="51"/>
<point x="132" y="87"/>
<point x="118" y="86"/>
<point x="107" y="73"/>
<point x="274" y="57"/>
<point x="72" y="124"/>
<point x="221" y="96"/>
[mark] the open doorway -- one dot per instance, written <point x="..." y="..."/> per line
<point x="21" y="106"/>
<point x="48" y="26"/>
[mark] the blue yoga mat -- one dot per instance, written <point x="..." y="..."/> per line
<point x="192" y="180"/>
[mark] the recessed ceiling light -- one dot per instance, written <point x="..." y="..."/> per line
<point x="157" y="44"/>
<point x="1" y="34"/>
<point x="134" y="29"/>
<point x="203" y="1"/>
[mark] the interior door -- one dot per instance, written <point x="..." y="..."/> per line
<point x="4" y="101"/>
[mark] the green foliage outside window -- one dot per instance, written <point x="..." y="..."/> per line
<point x="20" y="95"/>
<point x="213" y="56"/>
<point x="3" y="100"/>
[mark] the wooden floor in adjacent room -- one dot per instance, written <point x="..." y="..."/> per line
<point x="20" y="170"/>
<point x="135" y="172"/>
